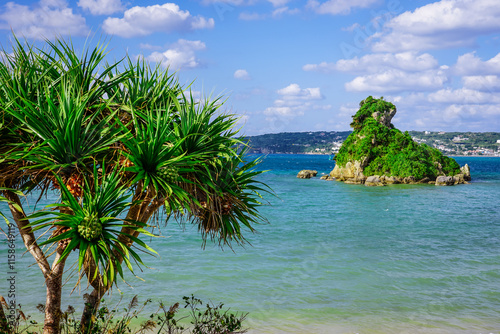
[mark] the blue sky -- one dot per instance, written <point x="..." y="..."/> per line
<point x="287" y="65"/>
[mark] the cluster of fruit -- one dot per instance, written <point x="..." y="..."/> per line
<point x="226" y="206"/>
<point x="74" y="184"/>
<point x="169" y="174"/>
<point x="125" y="162"/>
<point x="64" y="242"/>
<point x="90" y="228"/>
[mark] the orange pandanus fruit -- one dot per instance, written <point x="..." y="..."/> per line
<point x="64" y="242"/>
<point x="74" y="184"/>
<point x="125" y="162"/>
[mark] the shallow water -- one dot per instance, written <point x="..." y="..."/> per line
<point x="337" y="258"/>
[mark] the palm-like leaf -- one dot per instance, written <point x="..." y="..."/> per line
<point x="229" y="196"/>
<point x="94" y="227"/>
<point x="156" y="160"/>
<point x="61" y="113"/>
<point x="202" y="130"/>
<point x="66" y="135"/>
<point x="87" y="72"/>
<point x="145" y="88"/>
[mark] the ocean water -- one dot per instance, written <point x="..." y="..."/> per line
<point x="334" y="258"/>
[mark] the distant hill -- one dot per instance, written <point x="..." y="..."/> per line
<point x="298" y="142"/>
<point x="325" y="142"/>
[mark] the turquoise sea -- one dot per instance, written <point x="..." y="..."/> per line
<point x="335" y="258"/>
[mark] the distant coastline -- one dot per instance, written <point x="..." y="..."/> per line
<point x="331" y="154"/>
<point x="460" y="144"/>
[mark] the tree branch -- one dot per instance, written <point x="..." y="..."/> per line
<point x="27" y="234"/>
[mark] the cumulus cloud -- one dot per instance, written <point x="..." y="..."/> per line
<point x="180" y="55"/>
<point x="488" y="83"/>
<point x="337" y="7"/>
<point x="470" y="64"/>
<point x="406" y="61"/>
<point x="440" y="25"/>
<point x="295" y="101"/>
<point x="242" y="75"/>
<point x="294" y="92"/>
<point x="166" y="18"/>
<point x="463" y="96"/>
<point x="101" y="7"/>
<point x="46" y="19"/>
<point x="398" y="81"/>
<point x="448" y="109"/>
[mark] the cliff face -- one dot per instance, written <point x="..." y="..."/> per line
<point x="377" y="148"/>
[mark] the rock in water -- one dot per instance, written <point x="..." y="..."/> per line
<point x="466" y="172"/>
<point x="306" y="174"/>
<point x="445" y="181"/>
<point x="352" y="172"/>
<point x="373" y="180"/>
<point x="377" y="148"/>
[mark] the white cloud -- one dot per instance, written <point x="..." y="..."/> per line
<point x="389" y="73"/>
<point x="181" y="55"/>
<point x="336" y="7"/>
<point x="469" y="64"/>
<point x="406" y="61"/>
<point x="463" y="96"/>
<point x="295" y="101"/>
<point x="101" y="7"/>
<point x="166" y="18"/>
<point x="277" y="13"/>
<point x="448" y="109"/>
<point x="440" y="25"/>
<point x="398" y="81"/>
<point x="294" y="92"/>
<point x="47" y="19"/>
<point x="485" y="83"/>
<point x="241" y="75"/>
<point x="279" y="3"/>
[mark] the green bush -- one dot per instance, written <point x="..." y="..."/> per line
<point x="211" y="319"/>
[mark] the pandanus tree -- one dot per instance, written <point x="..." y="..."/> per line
<point x="120" y="143"/>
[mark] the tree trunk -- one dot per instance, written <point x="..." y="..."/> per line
<point x="52" y="307"/>
<point x="26" y="233"/>
<point x="53" y="276"/>
<point x="54" y="292"/>
<point x="92" y="303"/>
